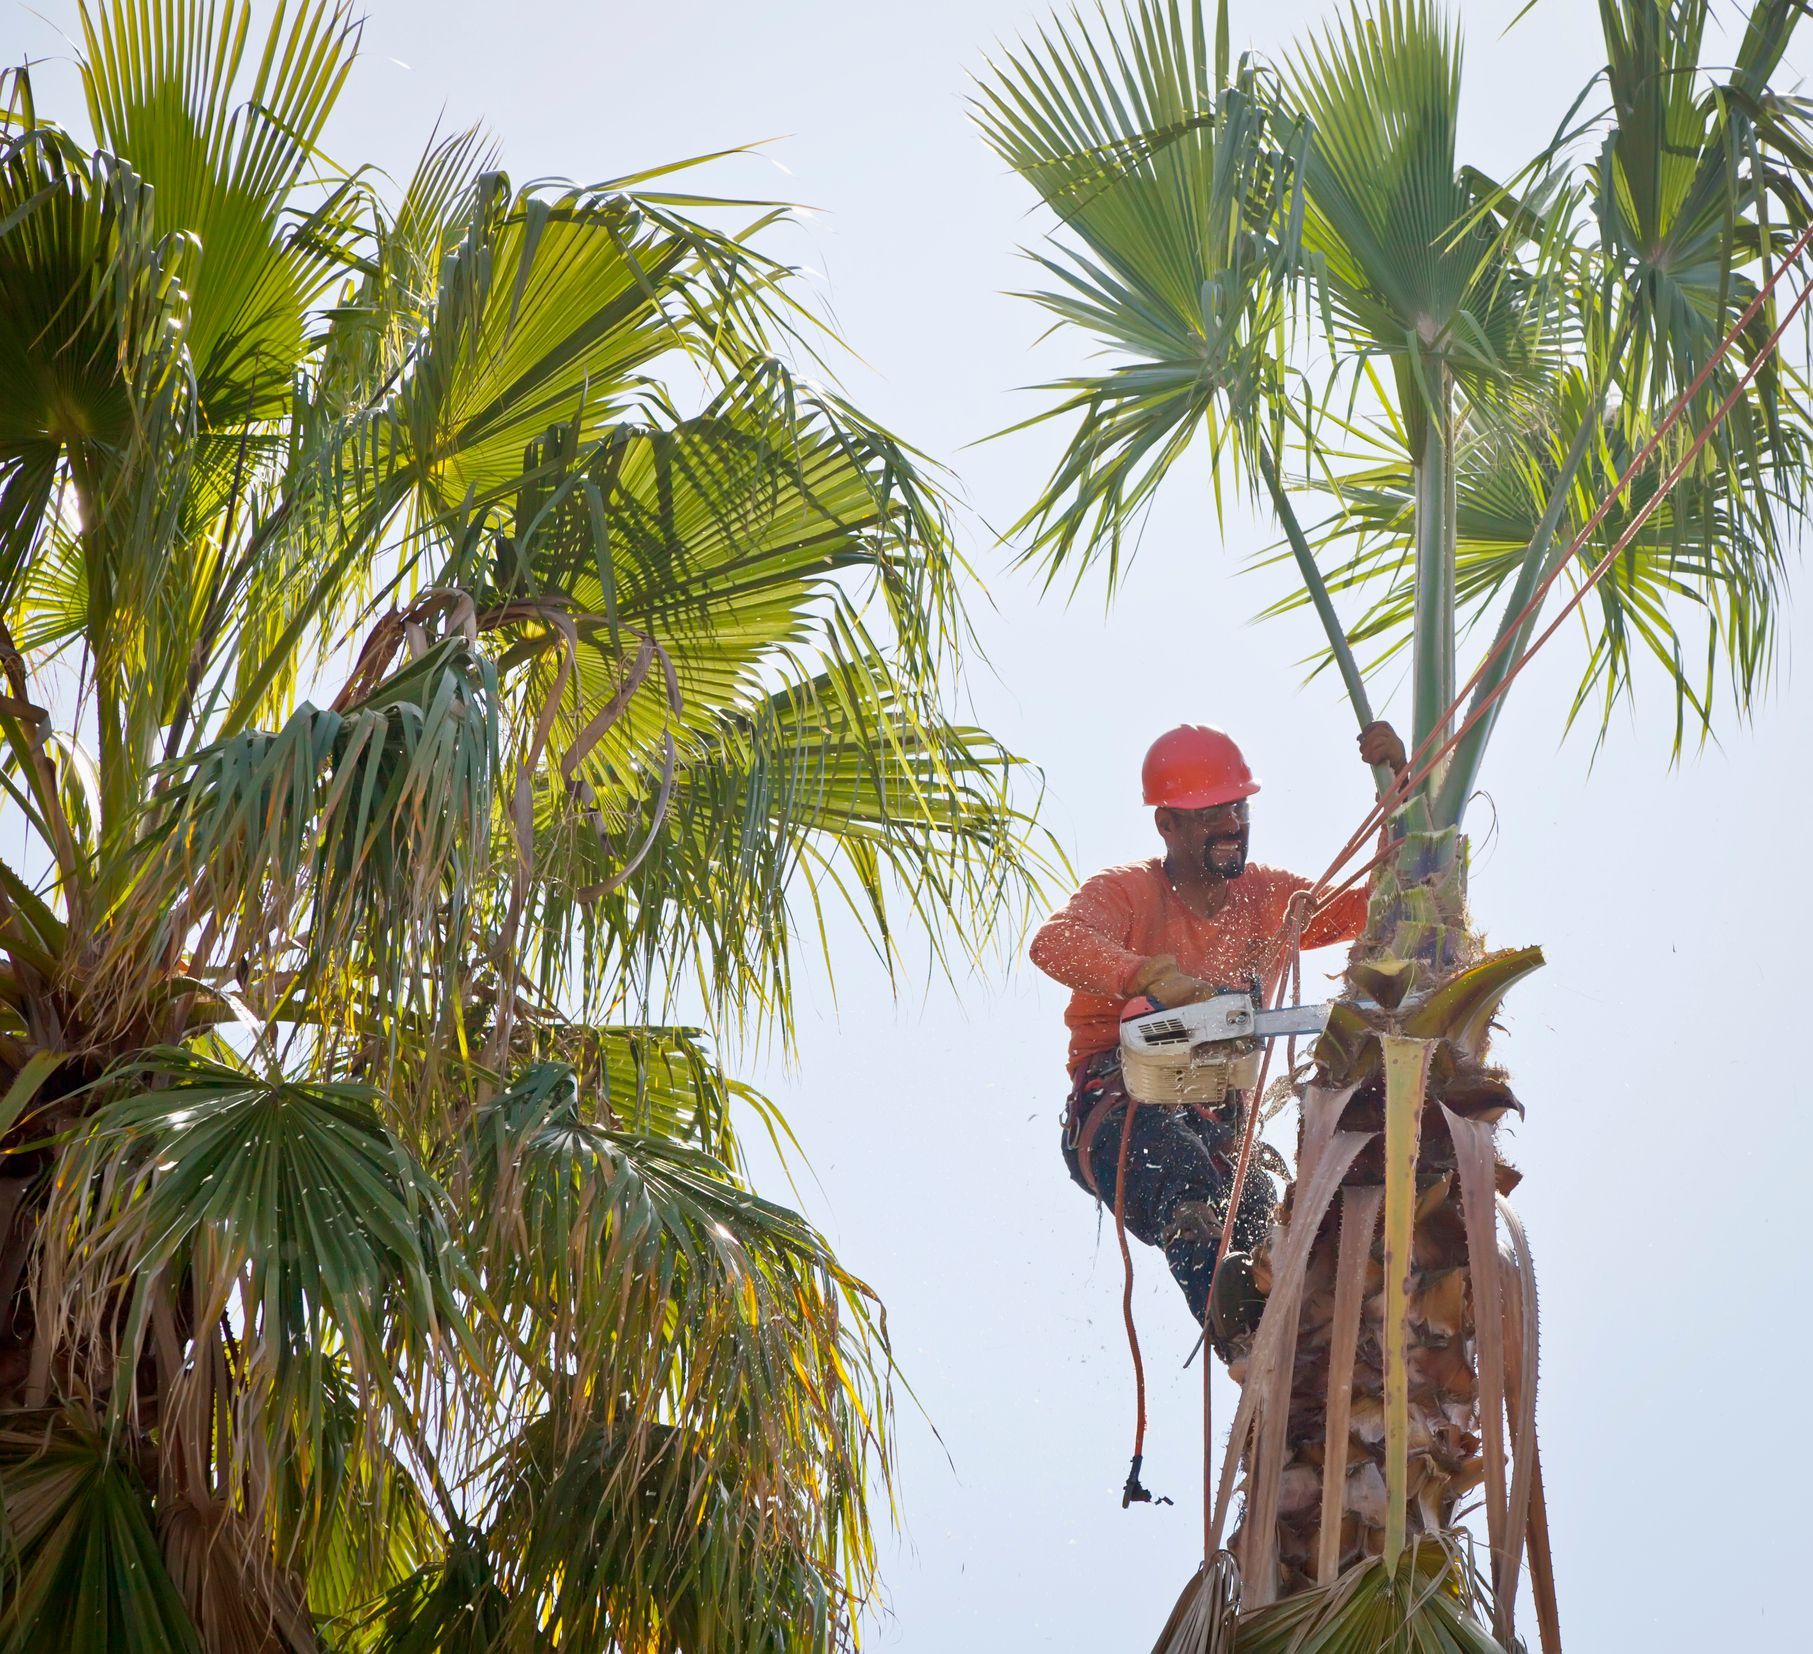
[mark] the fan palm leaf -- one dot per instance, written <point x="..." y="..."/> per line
<point x="284" y="1209"/>
<point x="1696" y="591"/>
<point x="591" y="1236"/>
<point x="1178" y="208"/>
<point x="89" y="1574"/>
<point x="225" y="160"/>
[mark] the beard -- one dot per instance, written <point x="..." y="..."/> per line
<point x="1226" y="857"/>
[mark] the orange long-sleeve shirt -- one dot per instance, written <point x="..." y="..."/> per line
<point x="1098" y="940"/>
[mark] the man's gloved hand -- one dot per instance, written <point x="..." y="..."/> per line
<point x="1170" y="986"/>
<point x="1379" y="744"/>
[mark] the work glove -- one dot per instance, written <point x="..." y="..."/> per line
<point x="1161" y="977"/>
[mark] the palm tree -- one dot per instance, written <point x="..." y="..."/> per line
<point x="448" y="656"/>
<point x="1430" y="377"/>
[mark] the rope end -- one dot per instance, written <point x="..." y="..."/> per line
<point x="1136" y="1494"/>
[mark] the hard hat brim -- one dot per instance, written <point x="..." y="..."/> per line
<point x="1204" y="798"/>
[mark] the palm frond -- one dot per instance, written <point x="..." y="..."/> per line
<point x="706" y="1340"/>
<point x="834" y="789"/>
<point x="299" y="1236"/>
<point x="1407" y="259"/>
<point x="1179" y="204"/>
<point x="86" y="1573"/>
<point x="363" y="831"/>
<point x="67" y="229"/>
<point x="1697" y="593"/>
<point x="453" y="1606"/>
<point x="225" y="161"/>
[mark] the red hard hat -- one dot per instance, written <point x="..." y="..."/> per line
<point x="1194" y="767"/>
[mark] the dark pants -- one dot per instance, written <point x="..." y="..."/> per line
<point x="1180" y="1168"/>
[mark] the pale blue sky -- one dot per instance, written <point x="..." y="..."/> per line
<point x="1668" y="1141"/>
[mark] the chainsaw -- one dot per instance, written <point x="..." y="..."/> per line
<point x="1199" y="1053"/>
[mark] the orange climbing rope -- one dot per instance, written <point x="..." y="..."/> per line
<point x="1133" y="1492"/>
<point x="1420" y="766"/>
<point x="1423" y="762"/>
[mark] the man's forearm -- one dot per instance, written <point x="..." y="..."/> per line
<point x="1084" y="959"/>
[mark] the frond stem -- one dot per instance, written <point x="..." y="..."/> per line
<point x="1515" y="627"/>
<point x="1432" y="660"/>
<point x="1317" y="587"/>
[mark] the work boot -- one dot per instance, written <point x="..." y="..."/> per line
<point x="1229" y="1305"/>
<point x="1235" y="1302"/>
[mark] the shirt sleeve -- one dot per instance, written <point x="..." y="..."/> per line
<point x="1084" y="944"/>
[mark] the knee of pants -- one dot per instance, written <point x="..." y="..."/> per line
<point x="1254" y="1217"/>
<point x="1143" y="1192"/>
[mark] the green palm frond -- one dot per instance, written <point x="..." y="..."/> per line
<point x="1401" y="240"/>
<point x="381" y="314"/>
<point x="66" y="229"/>
<point x="835" y="787"/>
<point x="666" y="1545"/>
<point x="357" y="1517"/>
<point x="1178" y="204"/>
<point x="1694" y="191"/>
<point x="283" y="1211"/>
<point x="225" y="161"/>
<point x="85" y="1571"/>
<point x="704" y="1340"/>
<point x="357" y="829"/>
<point x="655" y="1082"/>
<point x="454" y="1606"/>
<point x="720" y="541"/>
<point x="548" y="311"/>
<point x="1697" y="592"/>
<point x="95" y="385"/>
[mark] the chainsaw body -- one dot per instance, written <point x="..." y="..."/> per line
<point x="1200" y="1053"/>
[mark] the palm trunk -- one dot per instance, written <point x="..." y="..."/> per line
<point x="1361" y="1466"/>
<point x="1386" y="1399"/>
<point x="1445" y="1459"/>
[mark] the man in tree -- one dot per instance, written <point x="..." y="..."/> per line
<point x="1177" y="928"/>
